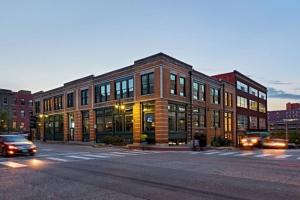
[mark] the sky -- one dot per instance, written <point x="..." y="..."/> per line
<point x="45" y="43"/>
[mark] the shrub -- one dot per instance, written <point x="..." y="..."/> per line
<point x="114" y="140"/>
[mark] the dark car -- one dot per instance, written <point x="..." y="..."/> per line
<point x="16" y="144"/>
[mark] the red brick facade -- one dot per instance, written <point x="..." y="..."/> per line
<point x="163" y="117"/>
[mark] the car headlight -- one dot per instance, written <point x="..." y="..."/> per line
<point x="244" y="140"/>
<point x="33" y="147"/>
<point x="12" y="147"/>
<point x="254" y="140"/>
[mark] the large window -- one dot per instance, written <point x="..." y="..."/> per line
<point x="104" y="119"/>
<point x="198" y="91"/>
<point x="182" y="86"/>
<point x="262" y="108"/>
<point x="253" y="91"/>
<point x="102" y="92"/>
<point x="242" y="122"/>
<point x="253" y="122"/>
<point x="199" y="117"/>
<point x="147" y="83"/>
<point x="215" y="119"/>
<point x="22" y="113"/>
<point x="84" y="97"/>
<point x="215" y="96"/>
<point x="242" y="102"/>
<point x="123" y="119"/>
<point x="70" y="100"/>
<point x="228" y="99"/>
<point x="148" y="117"/>
<point x="228" y="119"/>
<point x="58" y="102"/>
<point x="85" y="126"/>
<point x="262" y="95"/>
<point x="47" y="105"/>
<point x="124" y="88"/>
<point x="173" y="84"/>
<point x="262" y="123"/>
<point x="177" y="118"/>
<point x="253" y="105"/>
<point x="37" y="106"/>
<point x="242" y="86"/>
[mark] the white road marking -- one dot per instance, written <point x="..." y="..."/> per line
<point x="95" y="156"/>
<point x="212" y="152"/>
<point x="80" y="157"/>
<point x="123" y="153"/>
<point x="298" y="158"/>
<point x="57" y="159"/>
<point x="108" y="154"/>
<point x="245" y="154"/>
<point x="12" y="164"/>
<point x="262" y="155"/>
<point x="227" y="153"/>
<point x="283" y="156"/>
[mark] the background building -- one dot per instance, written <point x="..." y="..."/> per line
<point x="286" y="121"/>
<point x="251" y="103"/>
<point x="15" y="110"/>
<point x="159" y="97"/>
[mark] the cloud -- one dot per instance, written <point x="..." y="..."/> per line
<point x="277" y="82"/>
<point x="280" y="94"/>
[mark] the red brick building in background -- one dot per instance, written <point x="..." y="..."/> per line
<point x="251" y="103"/>
<point x="158" y="96"/>
<point x="18" y="106"/>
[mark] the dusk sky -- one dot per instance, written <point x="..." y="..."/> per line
<point x="44" y="44"/>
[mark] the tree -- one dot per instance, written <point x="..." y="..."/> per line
<point x="4" y="121"/>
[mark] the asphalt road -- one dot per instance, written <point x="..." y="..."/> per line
<point x="80" y="172"/>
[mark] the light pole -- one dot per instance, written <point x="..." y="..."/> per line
<point x="120" y="107"/>
<point x="42" y="118"/>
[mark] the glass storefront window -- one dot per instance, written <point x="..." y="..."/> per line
<point x="148" y="117"/>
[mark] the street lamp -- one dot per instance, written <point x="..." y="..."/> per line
<point x="43" y="117"/>
<point x="286" y="126"/>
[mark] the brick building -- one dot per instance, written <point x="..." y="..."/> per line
<point x="18" y="106"/>
<point x="251" y="103"/>
<point x="158" y="96"/>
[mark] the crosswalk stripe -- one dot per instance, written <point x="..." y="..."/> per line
<point x="228" y="153"/>
<point x="80" y="157"/>
<point x="57" y="159"/>
<point x="123" y="153"/>
<point x="12" y="164"/>
<point x="298" y="158"/>
<point x="283" y="156"/>
<point x="245" y="154"/>
<point x="95" y="156"/>
<point x="262" y="155"/>
<point x="211" y="153"/>
<point x="109" y="154"/>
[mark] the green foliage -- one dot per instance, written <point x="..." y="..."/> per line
<point x="114" y="140"/>
<point x="294" y="137"/>
<point x="220" y="141"/>
<point x="4" y="121"/>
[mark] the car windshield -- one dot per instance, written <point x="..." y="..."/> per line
<point x="14" y="138"/>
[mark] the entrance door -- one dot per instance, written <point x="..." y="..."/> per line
<point x="71" y="127"/>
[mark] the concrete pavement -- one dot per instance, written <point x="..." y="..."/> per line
<point x="80" y="172"/>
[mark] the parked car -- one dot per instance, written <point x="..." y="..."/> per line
<point x="275" y="143"/>
<point x="292" y="146"/>
<point x="16" y="144"/>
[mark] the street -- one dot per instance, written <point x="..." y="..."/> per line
<point x="83" y="172"/>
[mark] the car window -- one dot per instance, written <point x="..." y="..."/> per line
<point x="14" y="138"/>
